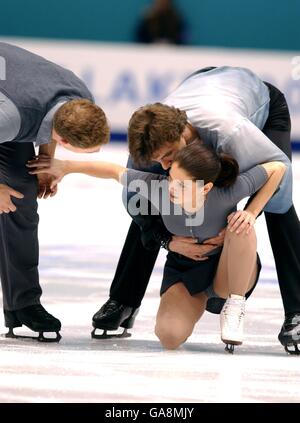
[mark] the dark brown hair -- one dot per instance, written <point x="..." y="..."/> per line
<point x="150" y="127"/>
<point x="203" y="163"/>
<point x="81" y="123"/>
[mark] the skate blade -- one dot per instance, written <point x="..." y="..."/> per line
<point x="40" y="338"/>
<point x="230" y="348"/>
<point x="106" y="335"/>
<point x="230" y="345"/>
<point x="294" y="351"/>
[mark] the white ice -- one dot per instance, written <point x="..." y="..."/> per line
<point x="82" y="231"/>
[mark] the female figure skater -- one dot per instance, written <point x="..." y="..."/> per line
<point x="223" y="280"/>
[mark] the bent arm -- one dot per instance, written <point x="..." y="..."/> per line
<point x="275" y="171"/>
<point x="153" y="230"/>
<point x="250" y="146"/>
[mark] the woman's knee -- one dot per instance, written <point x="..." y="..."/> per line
<point x="241" y="239"/>
<point x="171" y="333"/>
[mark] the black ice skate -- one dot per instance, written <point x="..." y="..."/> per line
<point x="289" y="335"/>
<point x="37" y="319"/>
<point x="110" y="317"/>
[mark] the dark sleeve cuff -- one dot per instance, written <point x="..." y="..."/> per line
<point x="155" y="235"/>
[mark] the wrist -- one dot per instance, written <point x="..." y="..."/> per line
<point x="171" y="245"/>
<point x="47" y="149"/>
<point x="165" y="242"/>
<point x="154" y="234"/>
<point x="255" y="213"/>
<point x="43" y="149"/>
<point x="164" y="238"/>
<point x="67" y="167"/>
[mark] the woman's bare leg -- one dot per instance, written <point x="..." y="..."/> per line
<point x="237" y="269"/>
<point x="177" y="315"/>
<point x="236" y="274"/>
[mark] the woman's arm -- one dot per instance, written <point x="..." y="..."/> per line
<point x="243" y="220"/>
<point x="275" y="171"/>
<point x="61" y="168"/>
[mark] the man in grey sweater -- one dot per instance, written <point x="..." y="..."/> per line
<point x="44" y="104"/>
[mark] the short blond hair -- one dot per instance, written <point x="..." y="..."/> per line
<point x="82" y="123"/>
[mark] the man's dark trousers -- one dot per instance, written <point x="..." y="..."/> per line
<point x="19" y="249"/>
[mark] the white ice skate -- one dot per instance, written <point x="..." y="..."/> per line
<point x="232" y="322"/>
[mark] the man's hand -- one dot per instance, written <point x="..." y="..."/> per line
<point x="188" y="247"/>
<point x="46" y="186"/>
<point x="6" y="205"/>
<point x="217" y="241"/>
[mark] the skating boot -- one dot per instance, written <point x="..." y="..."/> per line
<point x="111" y="316"/>
<point x="290" y="333"/>
<point x="37" y="319"/>
<point x="232" y="322"/>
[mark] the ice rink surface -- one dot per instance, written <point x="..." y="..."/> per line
<point x="82" y="231"/>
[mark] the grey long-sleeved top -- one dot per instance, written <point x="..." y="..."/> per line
<point x="220" y="202"/>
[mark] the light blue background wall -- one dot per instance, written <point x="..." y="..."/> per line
<point x="271" y="24"/>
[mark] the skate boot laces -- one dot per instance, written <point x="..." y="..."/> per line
<point x="110" y="306"/>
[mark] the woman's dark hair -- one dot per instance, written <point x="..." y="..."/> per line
<point x="203" y="163"/>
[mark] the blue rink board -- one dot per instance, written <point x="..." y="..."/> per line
<point x="122" y="137"/>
